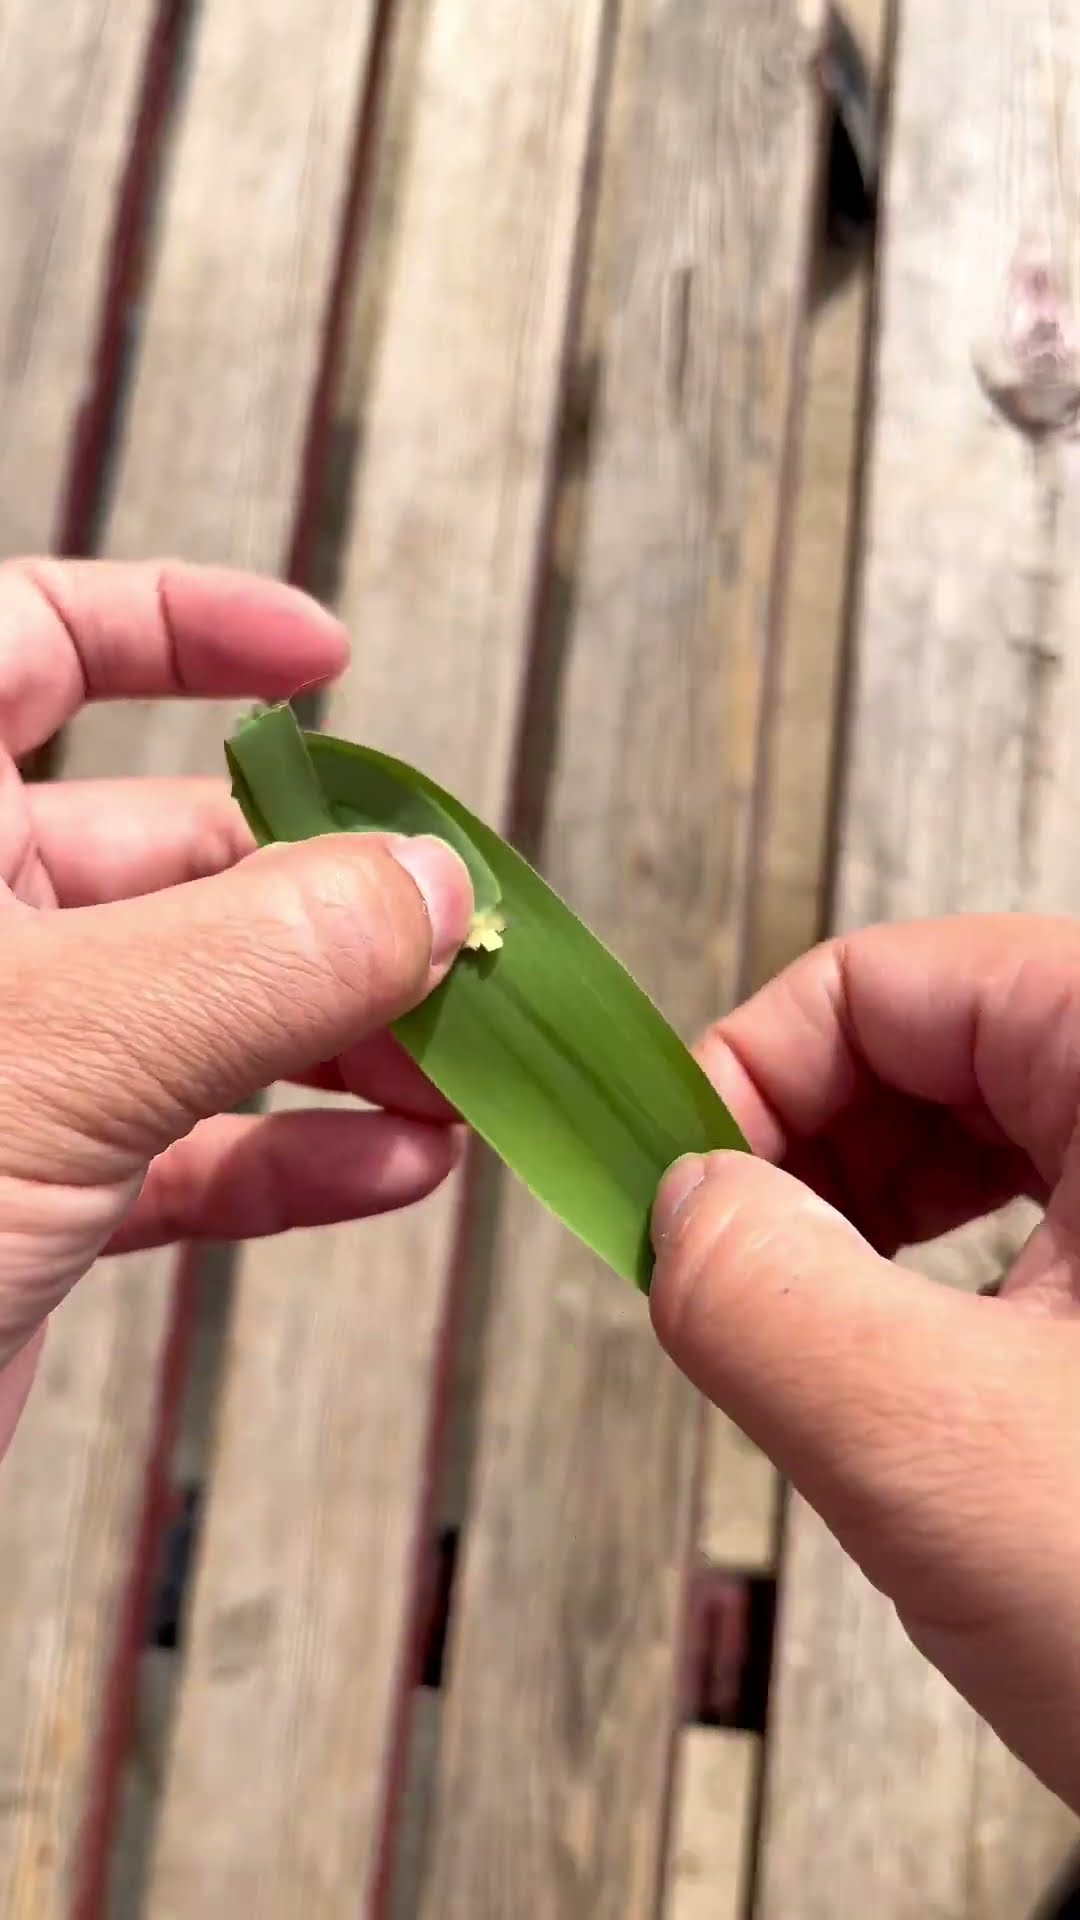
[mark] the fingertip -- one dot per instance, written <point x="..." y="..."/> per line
<point x="729" y="1228"/>
<point x="681" y="1180"/>
<point x="685" y="1194"/>
<point x="445" y="887"/>
<point x="685" y="1178"/>
<point x="262" y="635"/>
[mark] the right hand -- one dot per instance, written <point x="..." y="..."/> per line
<point x="902" y="1080"/>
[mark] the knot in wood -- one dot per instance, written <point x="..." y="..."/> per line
<point x="1032" y="371"/>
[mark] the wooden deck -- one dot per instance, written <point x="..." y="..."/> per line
<point x="514" y="329"/>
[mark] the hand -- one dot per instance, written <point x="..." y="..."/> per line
<point x="901" y="1081"/>
<point x="130" y="1024"/>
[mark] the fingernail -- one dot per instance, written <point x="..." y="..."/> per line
<point x="679" y="1182"/>
<point x="444" y="883"/>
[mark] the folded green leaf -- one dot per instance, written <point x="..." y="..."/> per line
<point x="544" y="1044"/>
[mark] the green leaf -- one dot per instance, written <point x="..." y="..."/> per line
<point x="547" y="1047"/>
<point x="283" y="798"/>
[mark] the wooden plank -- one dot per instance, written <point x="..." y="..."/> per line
<point x="880" y="1781"/>
<point x="567" y="1622"/>
<point x="72" y="82"/>
<point x="739" y="1499"/>
<point x="71" y="72"/>
<point x="259" y="188"/>
<point x="741" y="1494"/>
<point x="300" y="1642"/>
<point x="211" y="466"/>
<point x="716" y="1779"/>
<point x="793" y="859"/>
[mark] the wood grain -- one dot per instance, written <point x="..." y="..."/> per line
<point x="567" y="1620"/>
<point x="210" y="466"/>
<point x="793" y="856"/>
<point x="741" y="1494"/>
<point x="70" y="78"/>
<point x="258" y="186"/>
<point x="961" y="791"/>
<point x="70" y="1505"/>
<point x="300" y="1646"/>
<point x="712" y="1816"/>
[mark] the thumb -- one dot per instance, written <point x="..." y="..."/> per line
<point x="782" y="1314"/>
<point x="933" y="1431"/>
<point x="914" y="1418"/>
<point x="123" y="1025"/>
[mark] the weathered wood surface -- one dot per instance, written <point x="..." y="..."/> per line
<point x="712" y="1817"/>
<point x="338" y="1340"/>
<point x="71" y="83"/>
<point x="71" y="74"/>
<point x="210" y="466"/>
<point x="563" y="1677"/>
<point x="793" y="857"/>
<point x="258" y="187"/>
<point x="962" y="791"/>
<point x="712" y="1838"/>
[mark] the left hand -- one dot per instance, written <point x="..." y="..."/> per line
<point x="127" y="1033"/>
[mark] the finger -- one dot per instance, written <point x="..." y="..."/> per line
<point x="979" y="1014"/>
<point x="125" y="1024"/>
<point x="878" y="1393"/>
<point x="106" y="840"/>
<point x="241" y="1178"/>
<point x="780" y="1313"/>
<point x="903" y="1172"/>
<point x="933" y="1431"/>
<point x="382" y="1073"/>
<point x="23" y="875"/>
<point x="72" y="631"/>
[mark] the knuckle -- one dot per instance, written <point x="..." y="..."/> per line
<point x="362" y="924"/>
<point x="116" y="1044"/>
<point x="221" y="836"/>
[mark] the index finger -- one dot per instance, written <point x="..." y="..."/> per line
<point x="72" y="631"/>
<point x="978" y="1013"/>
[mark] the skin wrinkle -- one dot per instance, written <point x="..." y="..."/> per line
<point x="239" y="1188"/>
<point x="177" y="1193"/>
<point x="871" y="1185"/>
<point x="174" y="655"/>
<point x="343" y="932"/>
<point x="52" y="1233"/>
<point x="308" y="945"/>
<point x="373" y="946"/>
<point x="867" y="1053"/>
<point x="855" y="1054"/>
<point x="104" y="839"/>
<point x="46" y="581"/>
<point x="1045" y="1141"/>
